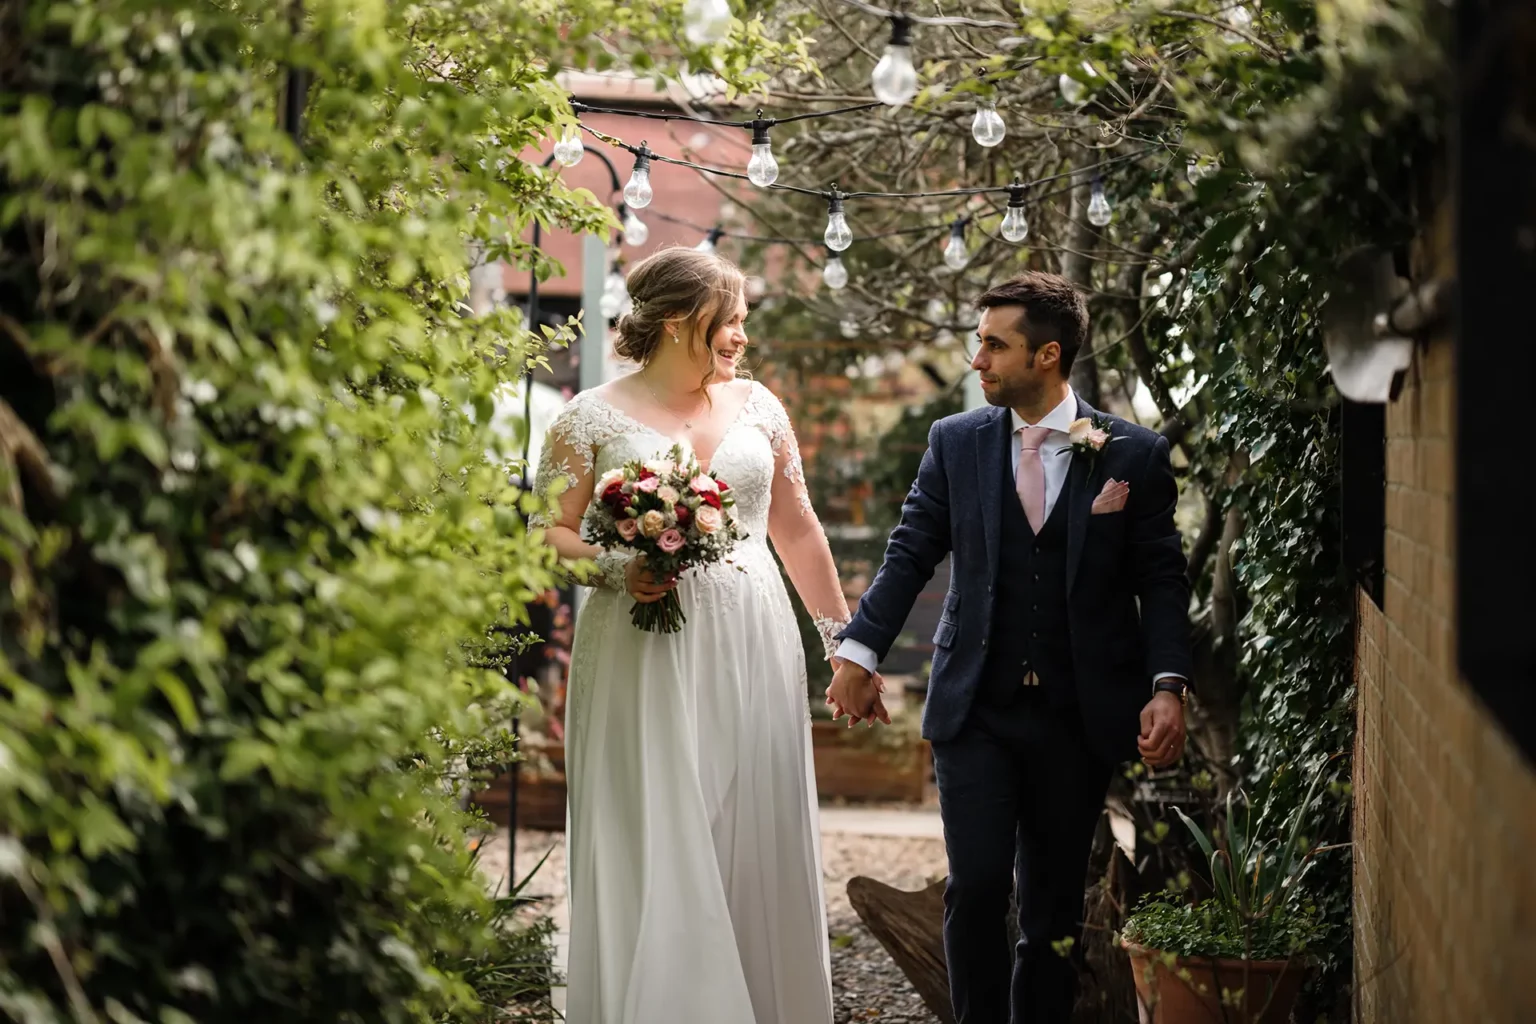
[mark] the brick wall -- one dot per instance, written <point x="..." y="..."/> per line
<point x="1445" y="808"/>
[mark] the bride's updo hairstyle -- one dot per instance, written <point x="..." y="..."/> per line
<point x="699" y="288"/>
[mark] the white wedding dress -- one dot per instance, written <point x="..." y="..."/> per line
<point x="694" y="864"/>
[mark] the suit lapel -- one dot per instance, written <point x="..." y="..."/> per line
<point x="1081" y="489"/>
<point x="992" y="440"/>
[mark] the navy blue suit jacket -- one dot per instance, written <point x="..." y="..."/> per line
<point x="1127" y="592"/>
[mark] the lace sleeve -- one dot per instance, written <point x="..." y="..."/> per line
<point x="564" y="478"/>
<point x="793" y="527"/>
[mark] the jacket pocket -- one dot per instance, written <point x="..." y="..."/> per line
<point x="944" y="636"/>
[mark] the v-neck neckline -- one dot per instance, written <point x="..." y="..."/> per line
<point x="704" y="464"/>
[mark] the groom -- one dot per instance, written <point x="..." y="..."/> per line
<point x="1063" y="647"/>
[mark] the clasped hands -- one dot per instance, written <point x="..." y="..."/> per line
<point x="855" y="692"/>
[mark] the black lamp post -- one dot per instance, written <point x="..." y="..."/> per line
<point x="532" y="316"/>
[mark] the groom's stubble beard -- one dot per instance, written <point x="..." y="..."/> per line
<point x="1017" y="392"/>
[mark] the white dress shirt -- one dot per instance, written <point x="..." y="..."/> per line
<point x="1055" y="458"/>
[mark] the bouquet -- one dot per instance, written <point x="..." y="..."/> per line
<point x="673" y="513"/>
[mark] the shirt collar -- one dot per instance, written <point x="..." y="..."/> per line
<point x="1058" y="419"/>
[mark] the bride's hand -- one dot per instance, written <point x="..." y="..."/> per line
<point x="644" y="587"/>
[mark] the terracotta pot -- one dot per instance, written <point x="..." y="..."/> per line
<point x="1190" y="992"/>
<point x="851" y="767"/>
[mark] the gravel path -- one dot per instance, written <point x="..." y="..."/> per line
<point x="866" y="984"/>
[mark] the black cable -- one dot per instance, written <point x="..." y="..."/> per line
<point x="824" y="194"/>
<point x="587" y="108"/>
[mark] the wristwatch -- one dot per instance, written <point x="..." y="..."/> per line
<point x="1178" y="687"/>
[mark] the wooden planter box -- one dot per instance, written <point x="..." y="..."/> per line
<point x="853" y="764"/>
<point x="849" y="766"/>
<point x="540" y="794"/>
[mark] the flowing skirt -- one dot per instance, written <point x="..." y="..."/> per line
<point x="694" y="845"/>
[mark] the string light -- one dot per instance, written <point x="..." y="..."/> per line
<point x="956" y="256"/>
<point x="615" y="293"/>
<point x="838" y="235"/>
<point x="987" y="127"/>
<point x="706" y="21"/>
<point x="1015" y="228"/>
<point x="1099" y="213"/>
<point x="1073" y="91"/>
<point x="637" y="193"/>
<point x="569" y="150"/>
<point x="1199" y="167"/>
<point x="762" y="169"/>
<point x="636" y="231"/>
<point x="834" y="275"/>
<point x="710" y="240"/>
<point x="895" y="79"/>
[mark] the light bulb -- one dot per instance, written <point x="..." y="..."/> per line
<point x="1099" y="213"/>
<point x="955" y="254"/>
<point x="834" y="274"/>
<point x="1241" y="19"/>
<point x="987" y="127"/>
<point x="1073" y="91"/>
<point x="635" y="230"/>
<point x="637" y="193"/>
<point x="710" y="240"/>
<point x="615" y="295"/>
<point x="838" y="236"/>
<point x="848" y="328"/>
<point x="569" y="150"/>
<point x="762" y="169"/>
<point x="1015" y="228"/>
<point x="895" y="79"/>
<point x="706" y="21"/>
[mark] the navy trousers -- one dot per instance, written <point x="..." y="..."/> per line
<point x="1020" y="793"/>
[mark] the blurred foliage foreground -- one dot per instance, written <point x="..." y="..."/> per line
<point x="259" y="558"/>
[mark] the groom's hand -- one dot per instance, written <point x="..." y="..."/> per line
<point x="1162" y="730"/>
<point x="855" y="692"/>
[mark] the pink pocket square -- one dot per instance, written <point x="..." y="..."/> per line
<point x="1112" y="498"/>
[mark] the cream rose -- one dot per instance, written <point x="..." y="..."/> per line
<point x="1097" y="438"/>
<point x="667" y="494"/>
<point x="709" y="519"/>
<point x="652" y="523"/>
<point x="1079" y="430"/>
<point x="608" y="479"/>
<point x="661" y="467"/>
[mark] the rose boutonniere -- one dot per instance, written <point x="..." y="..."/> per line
<point x="1088" y="437"/>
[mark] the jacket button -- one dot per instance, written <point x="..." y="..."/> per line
<point x="983" y="641"/>
<point x="1037" y="577"/>
<point x="1033" y="635"/>
<point x="1034" y="607"/>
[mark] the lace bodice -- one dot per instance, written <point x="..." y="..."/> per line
<point x="607" y="437"/>
<point x="757" y="456"/>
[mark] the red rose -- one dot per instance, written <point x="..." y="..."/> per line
<point x="712" y="500"/>
<point x="647" y="474"/>
<point x="613" y="490"/>
<point x="683" y="515"/>
<point x="722" y="485"/>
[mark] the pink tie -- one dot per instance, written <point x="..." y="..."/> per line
<point x="1031" y="475"/>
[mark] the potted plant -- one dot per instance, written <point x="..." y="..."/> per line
<point x="1239" y="955"/>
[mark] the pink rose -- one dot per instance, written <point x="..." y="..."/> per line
<point x="709" y="519"/>
<point x="1097" y="438"/>
<point x="628" y="528"/>
<point x="652" y="523"/>
<point x="648" y="485"/>
<point x="670" y="541"/>
<point x="703" y="484"/>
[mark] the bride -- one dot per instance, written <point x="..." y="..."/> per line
<point x="694" y="857"/>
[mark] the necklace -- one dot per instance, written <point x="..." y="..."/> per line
<point x="687" y="422"/>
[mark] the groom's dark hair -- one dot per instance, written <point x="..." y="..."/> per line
<point x="1055" y="311"/>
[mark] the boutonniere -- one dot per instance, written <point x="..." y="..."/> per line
<point x="1088" y="437"/>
